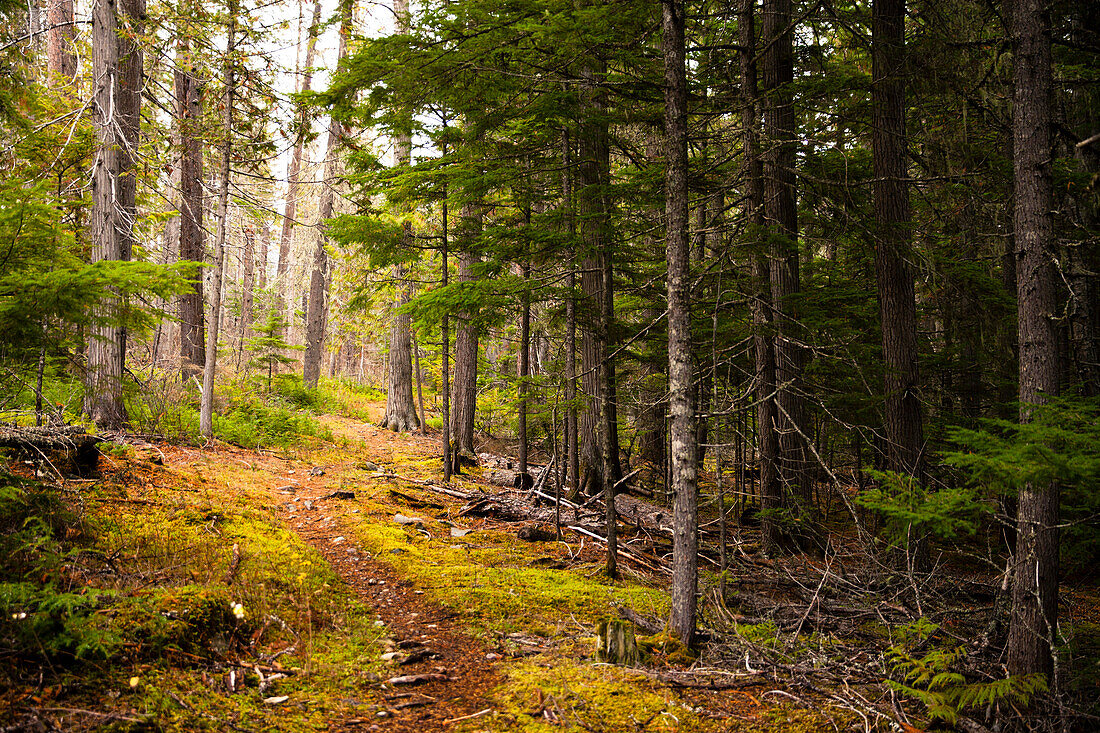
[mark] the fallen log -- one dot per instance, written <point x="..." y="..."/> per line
<point x="71" y="442"/>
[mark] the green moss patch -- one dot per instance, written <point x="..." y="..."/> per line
<point x="566" y="695"/>
<point x="496" y="581"/>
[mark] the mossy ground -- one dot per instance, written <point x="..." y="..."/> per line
<point x="158" y="543"/>
<point x="174" y="615"/>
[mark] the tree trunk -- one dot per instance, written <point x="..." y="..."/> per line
<point x="192" y="245"/>
<point x="1035" y="581"/>
<point x="316" y="310"/>
<point x="206" y="408"/>
<point x="116" y="91"/>
<point x="897" y="305"/>
<point x="571" y="423"/>
<point x="400" y="411"/>
<point x="290" y="208"/>
<point x="523" y="361"/>
<point x="599" y="431"/>
<point x="60" y="60"/>
<point x="762" y="317"/>
<point x="680" y="382"/>
<point x="248" y="286"/>
<point x="782" y="221"/>
<point x="464" y="394"/>
<point x="446" y="339"/>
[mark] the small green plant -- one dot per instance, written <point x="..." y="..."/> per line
<point x="268" y="345"/>
<point x="933" y="679"/>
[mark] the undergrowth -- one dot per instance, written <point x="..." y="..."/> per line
<point x="499" y="582"/>
<point x="159" y="598"/>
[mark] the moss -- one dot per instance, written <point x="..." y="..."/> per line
<point x="666" y="648"/>
<point x="494" y="582"/>
<point x="574" y="696"/>
<point x="790" y="718"/>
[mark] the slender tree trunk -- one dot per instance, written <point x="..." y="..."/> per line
<point x="571" y="437"/>
<point x="599" y="431"/>
<point x="762" y="317"/>
<point x="400" y="411"/>
<point x="464" y="393"/>
<point x="897" y="305"/>
<point x="781" y="219"/>
<point x="897" y="302"/>
<point x="192" y="245"/>
<point x="1033" y="628"/>
<point x="206" y="408"/>
<point x="446" y="338"/>
<point x="248" y="286"/>
<point x="680" y="382"/>
<point x="290" y="208"/>
<point x="60" y="60"/>
<point x="523" y="362"/>
<point x="316" y="310"/>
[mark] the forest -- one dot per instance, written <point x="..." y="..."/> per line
<point x="524" y="365"/>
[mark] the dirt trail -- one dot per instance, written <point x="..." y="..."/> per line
<point x="458" y="675"/>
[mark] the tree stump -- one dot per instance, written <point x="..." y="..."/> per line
<point x="615" y="642"/>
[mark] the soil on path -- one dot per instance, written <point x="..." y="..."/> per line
<point x="455" y="672"/>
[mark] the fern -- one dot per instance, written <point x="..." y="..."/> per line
<point x="932" y="679"/>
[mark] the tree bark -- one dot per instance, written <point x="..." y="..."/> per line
<point x="1035" y="581"/>
<point x="762" y="317"/>
<point x="400" y="411"/>
<point x="781" y="218"/>
<point x="523" y="361"/>
<point x="206" y="407"/>
<point x="685" y="490"/>
<point x="894" y="275"/>
<point x="571" y="424"/>
<point x="60" y="60"/>
<point x="317" y="309"/>
<point x="192" y="245"/>
<point x="464" y="393"/>
<point x="117" y="79"/>
<point x="290" y="208"/>
<point x="600" y="440"/>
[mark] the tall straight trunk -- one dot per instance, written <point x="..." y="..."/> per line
<point x="265" y="244"/>
<point x="117" y="79"/>
<point x="600" y="443"/>
<point x="400" y="411"/>
<point x="248" y="287"/>
<point x="464" y="391"/>
<point x="685" y="504"/>
<point x="317" y="308"/>
<point x="571" y="437"/>
<point x="60" y="60"/>
<point x="446" y="339"/>
<point x="523" y="361"/>
<point x="290" y="208"/>
<point x="894" y="275"/>
<point x="762" y="317"/>
<point x="781" y="219"/>
<point x="1035" y="580"/>
<point x="192" y="244"/>
<point x="206" y="407"/>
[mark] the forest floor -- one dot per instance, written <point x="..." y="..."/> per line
<point x="341" y="586"/>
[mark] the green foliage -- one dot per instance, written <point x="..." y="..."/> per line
<point x="909" y="507"/>
<point x="932" y="677"/>
<point x="1060" y="444"/>
<point x="46" y="289"/>
<point x="251" y="422"/>
<point x="268" y="345"/>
